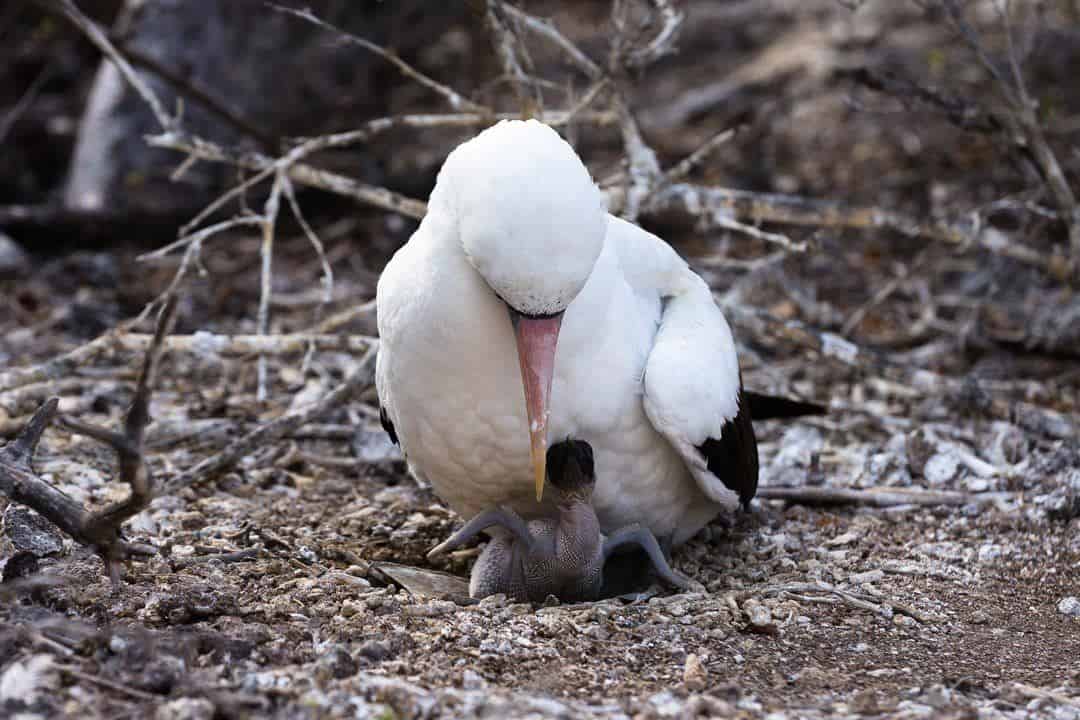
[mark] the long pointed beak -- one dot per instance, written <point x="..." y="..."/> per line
<point x="536" y="340"/>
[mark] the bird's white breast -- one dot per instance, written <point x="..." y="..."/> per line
<point x="448" y="375"/>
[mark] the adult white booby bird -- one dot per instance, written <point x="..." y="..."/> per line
<point x="520" y="310"/>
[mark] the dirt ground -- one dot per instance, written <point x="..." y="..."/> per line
<point x="267" y="597"/>
<point x="279" y="590"/>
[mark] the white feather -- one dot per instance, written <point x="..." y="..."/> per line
<point x="645" y="367"/>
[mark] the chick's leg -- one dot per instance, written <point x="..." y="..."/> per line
<point x="637" y="535"/>
<point x="501" y="517"/>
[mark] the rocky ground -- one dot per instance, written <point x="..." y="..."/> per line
<point x="271" y="595"/>
<point x="296" y="585"/>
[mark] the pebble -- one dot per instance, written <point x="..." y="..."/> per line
<point x="1069" y="606"/>
<point x="376" y="651"/>
<point x="471" y="680"/>
<point x="436" y="608"/>
<point x="352" y="607"/>
<point x="336" y="662"/>
<point x="989" y="554"/>
<point x="186" y="709"/>
<point x="942" y="468"/>
<point x="118" y="644"/>
<point x="695" y="676"/>
<point x="29" y="532"/>
<point x="13" y="259"/>
<point x="757" y="613"/>
<point x="870" y="576"/>
<point x="844" y="539"/>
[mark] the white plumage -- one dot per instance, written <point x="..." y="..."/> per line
<point x="645" y="368"/>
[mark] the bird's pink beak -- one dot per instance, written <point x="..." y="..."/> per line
<point x="536" y="340"/>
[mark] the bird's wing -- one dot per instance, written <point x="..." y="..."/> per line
<point x="692" y="388"/>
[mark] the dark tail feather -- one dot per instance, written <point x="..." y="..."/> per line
<point x="771" y="407"/>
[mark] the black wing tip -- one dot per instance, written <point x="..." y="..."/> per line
<point x="774" y="407"/>
<point x="387" y="425"/>
<point x="733" y="457"/>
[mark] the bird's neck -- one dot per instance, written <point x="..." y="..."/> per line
<point x="579" y="525"/>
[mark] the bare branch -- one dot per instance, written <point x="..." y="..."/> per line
<point x="702" y="201"/>
<point x="1023" y="123"/>
<point x="99" y="530"/>
<point x="506" y="47"/>
<point x="298" y="172"/>
<point x="98" y="37"/>
<point x="360" y="379"/>
<point x="643" y="167"/>
<point x="207" y="344"/>
<point x="875" y="497"/>
<point x="187" y="86"/>
<point x="316" y="244"/>
<point x="456" y="100"/>
<point x="664" y="41"/>
<point x="547" y="30"/>
<point x="687" y="165"/>
<point x="730" y="223"/>
<point x="269" y="222"/>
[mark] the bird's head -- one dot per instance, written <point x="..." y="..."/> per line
<point x="570" y="469"/>
<point x="531" y="222"/>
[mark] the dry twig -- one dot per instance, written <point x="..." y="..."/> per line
<point x="205" y="344"/>
<point x="99" y="530"/>
<point x="456" y="100"/>
<point x="1021" y="118"/>
<point x="965" y="394"/>
<point x="507" y="47"/>
<point x="874" y="497"/>
<point x="100" y="39"/>
<point x="360" y="378"/>
<point x="664" y="41"/>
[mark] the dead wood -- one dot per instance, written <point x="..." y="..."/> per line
<point x="874" y="497"/>
<point x="358" y="380"/>
<point x="1021" y="118"/>
<point x="100" y="530"/>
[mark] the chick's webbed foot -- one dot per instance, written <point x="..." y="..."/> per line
<point x="641" y="536"/>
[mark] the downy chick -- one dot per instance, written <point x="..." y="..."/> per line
<point x="562" y="556"/>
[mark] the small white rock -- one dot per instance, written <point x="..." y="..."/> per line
<point x="989" y="554"/>
<point x="471" y="680"/>
<point x="1069" y="606"/>
<point x="941" y="468"/>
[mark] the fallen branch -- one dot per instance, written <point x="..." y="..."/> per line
<point x="664" y="41"/>
<point x="57" y="368"/>
<point x="99" y="530"/>
<point x="964" y="393"/>
<point x="1022" y="120"/>
<point x="454" y="98"/>
<point x="505" y="43"/>
<point x="100" y="40"/>
<point x="297" y="172"/>
<point x="28" y="398"/>
<point x="209" y="344"/>
<point x="714" y="203"/>
<point x="266" y="277"/>
<point x="358" y="380"/>
<point x="857" y="600"/>
<point x="875" y="497"/>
